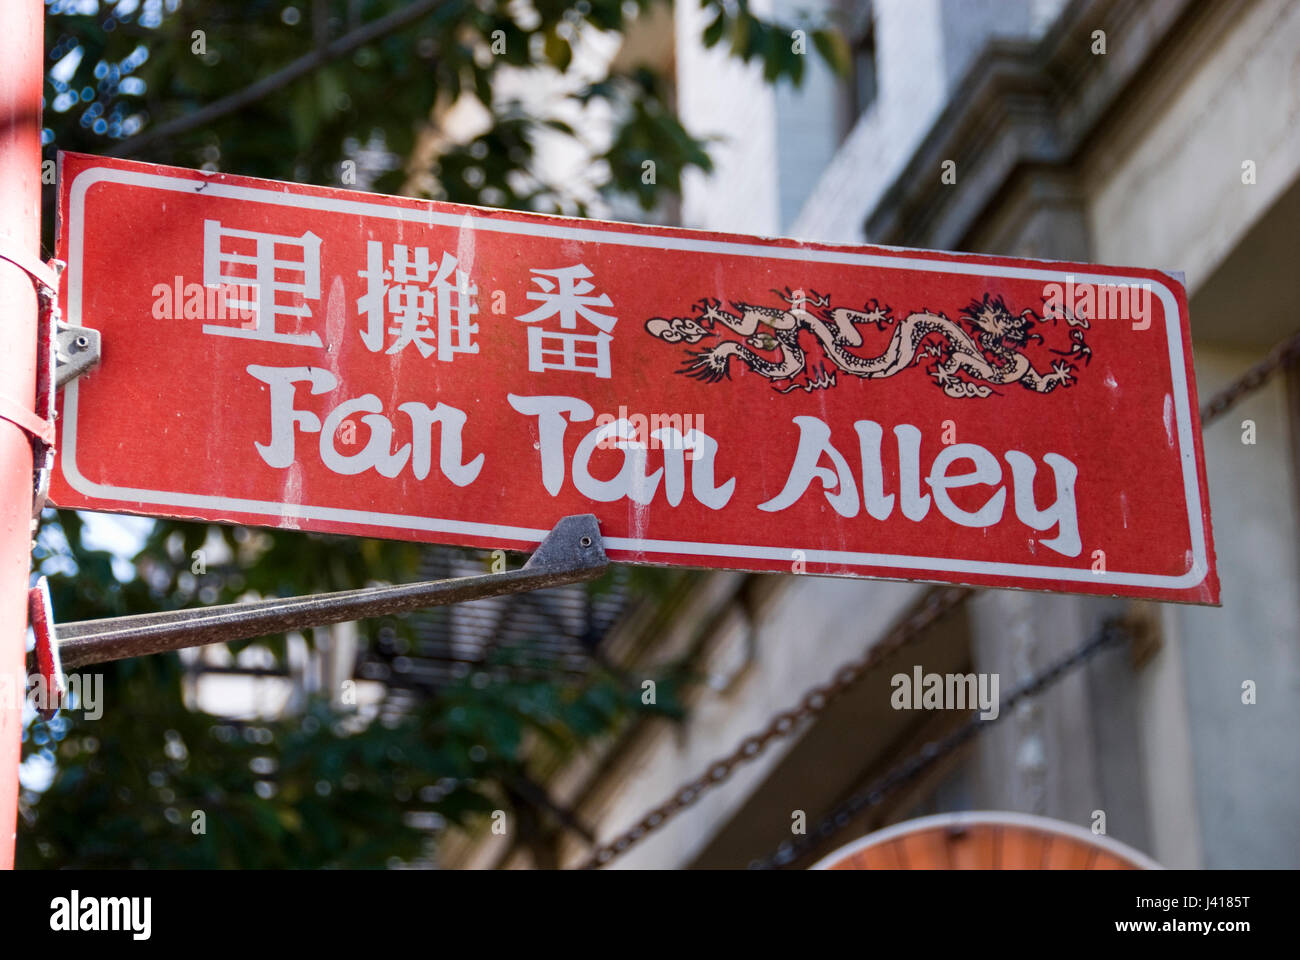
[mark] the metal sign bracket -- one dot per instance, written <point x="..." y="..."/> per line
<point x="63" y="352"/>
<point x="571" y="553"/>
<point x="76" y="350"/>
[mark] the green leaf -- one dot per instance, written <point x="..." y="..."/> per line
<point x="557" y="51"/>
<point x="742" y="41"/>
<point x="834" y="50"/>
<point x="713" y="32"/>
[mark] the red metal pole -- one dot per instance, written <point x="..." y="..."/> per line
<point x="21" y="53"/>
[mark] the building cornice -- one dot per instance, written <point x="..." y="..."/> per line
<point x="1021" y="104"/>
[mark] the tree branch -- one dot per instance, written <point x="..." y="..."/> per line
<point x="281" y="78"/>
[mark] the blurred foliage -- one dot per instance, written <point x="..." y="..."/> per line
<point x="318" y="788"/>
<point x="121" y="68"/>
<point x="152" y="783"/>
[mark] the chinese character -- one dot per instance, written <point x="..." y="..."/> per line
<point x="270" y="275"/>
<point x="564" y="346"/>
<point x="568" y="296"/>
<point x="420" y="289"/>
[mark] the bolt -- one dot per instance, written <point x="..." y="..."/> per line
<point x="585" y="541"/>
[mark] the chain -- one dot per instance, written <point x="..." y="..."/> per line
<point x="1282" y="355"/>
<point x="936" y="604"/>
<point x="917" y="764"/>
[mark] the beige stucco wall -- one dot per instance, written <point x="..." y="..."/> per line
<point x="1166" y="190"/>
<point x="815" y="625"/>
<point x="1165" y="186"/>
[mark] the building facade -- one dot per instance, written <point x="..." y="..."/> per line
<point x="1151" y="133"/>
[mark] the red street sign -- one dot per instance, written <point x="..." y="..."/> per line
<point x="320" y="359"/>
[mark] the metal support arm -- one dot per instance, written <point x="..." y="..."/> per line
<point x="571" y="553"/>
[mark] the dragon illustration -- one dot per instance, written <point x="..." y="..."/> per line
<point x="982" y="350"/>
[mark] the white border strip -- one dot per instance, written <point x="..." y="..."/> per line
<point x="1173" y="334"/>
<point x="997" y="819"/>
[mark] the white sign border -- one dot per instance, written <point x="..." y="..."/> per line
<point x="1173" y="335"/>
